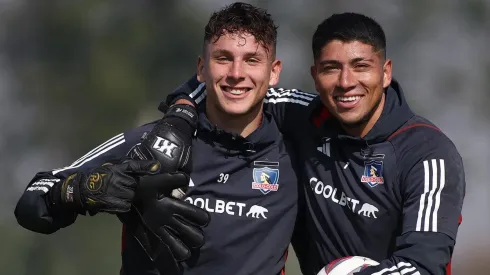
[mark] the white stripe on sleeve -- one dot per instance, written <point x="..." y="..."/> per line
<point x="438" y="195"/>
<point x="38" y="188"/>
<point x="430" y="200"/>
<point x="401" y="268"/>
<point x="282" y="100"/>
<point x="97" y="153"/>
<point x="109" y="142"/>
<point x="290" y="93"/>
<point x="197" y="90"/>
<point x="422" y="197"/>
<point x="201" y="97"/>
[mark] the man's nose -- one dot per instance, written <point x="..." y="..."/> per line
<point x="236" y="71"/>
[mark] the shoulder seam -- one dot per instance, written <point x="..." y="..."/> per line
<point x="395" y="151"/>
<point x="403" y="129"/>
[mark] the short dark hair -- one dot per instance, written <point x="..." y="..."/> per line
<point x="243" y="18"/>
<point x="348" y="27"/>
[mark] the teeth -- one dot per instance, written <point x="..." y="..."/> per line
<point x="236" y="91"/>
<point x="347" y="98"/>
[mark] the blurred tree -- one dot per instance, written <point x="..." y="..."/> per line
<point x="92" y="69"/>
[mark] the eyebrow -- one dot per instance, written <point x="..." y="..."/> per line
<point x="220" y="52"/>
<point x="358" y="59"/>
<point x="247" y="54"/>
<point x="336" y="62"/>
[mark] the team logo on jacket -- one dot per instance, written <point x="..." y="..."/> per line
<point x="373" y="171"/>
<point x="266" y="179"/>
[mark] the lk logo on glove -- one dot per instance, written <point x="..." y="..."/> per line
<point x="164" y="146"/>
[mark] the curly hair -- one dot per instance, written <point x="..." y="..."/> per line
<point x="240" y="18"/>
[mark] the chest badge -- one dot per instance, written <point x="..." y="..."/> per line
<point x="266" y="176"/>
<point x="373" y="173"/>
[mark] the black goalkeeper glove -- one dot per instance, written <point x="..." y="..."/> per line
<point x="109" y="188"/>
<point x="170" y="140"/>
<point x="167" y="229"/>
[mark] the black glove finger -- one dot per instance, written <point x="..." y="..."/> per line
<point x="163" y="183"/>
<point x="166" y="263"/>
<point x="176" y="246"/>
<point x="158" y="252"/>
<point x="189" y="212"/>
<point x="113" y="206"/>
<point x="141" y="167"/>
<point x="191" y="236"/>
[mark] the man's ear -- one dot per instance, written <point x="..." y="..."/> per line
<point x="387" y="70"/>
<point x="200" y="68"/>
<point x="313" y="73"/>
<point x="275" y="72"/>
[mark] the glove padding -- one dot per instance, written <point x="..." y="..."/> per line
<point x="170" y="140"/>
<point x="166" y="228"/>
<point x="109" y="188"/>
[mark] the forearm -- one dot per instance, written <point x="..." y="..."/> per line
<point x="420" y="253"/>
<point x="184" y="101"/>
<point x="192" y="90"/>
<point x="35" y="211"/>
<point x="290" y="107"/>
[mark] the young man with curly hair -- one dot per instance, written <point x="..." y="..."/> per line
<point x="242" y="174"/>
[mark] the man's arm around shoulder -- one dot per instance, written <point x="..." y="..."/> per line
<point x="291" y="108"/>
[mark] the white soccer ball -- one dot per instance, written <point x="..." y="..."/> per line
<point x="347" y="265"/>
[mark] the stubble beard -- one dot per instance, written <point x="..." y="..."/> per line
<point x="364" y="119"/>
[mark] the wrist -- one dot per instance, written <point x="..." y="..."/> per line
<point x="67" y="194"/>
<point x="53" y="198"/>
<point x="184" y="101"/>
<point x="186" y="112"/>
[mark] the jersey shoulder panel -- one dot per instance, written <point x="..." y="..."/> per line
<point x="114" y="148"/>
<point x="420" y="138"/>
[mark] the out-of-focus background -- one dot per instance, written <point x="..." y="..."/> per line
<point x="74" y="73"/>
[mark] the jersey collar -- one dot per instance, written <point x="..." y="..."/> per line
<point x="264" y="136"/>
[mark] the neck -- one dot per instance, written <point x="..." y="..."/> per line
<point x="242" y="125"/>
<point x="362" y="129"/>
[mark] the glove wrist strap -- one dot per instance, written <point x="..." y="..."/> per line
<point x="70" y="196"/>
<point x="185" y="112"/>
